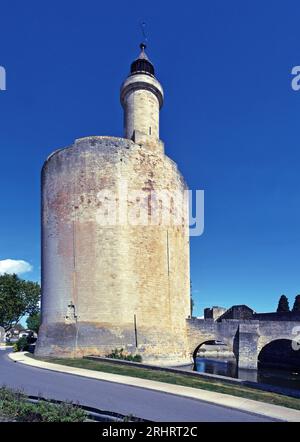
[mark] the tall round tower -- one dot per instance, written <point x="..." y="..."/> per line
<point x="115" y="243"/>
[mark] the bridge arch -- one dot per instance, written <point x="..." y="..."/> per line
<point x="279" y="352"/>
<point x="207" y="342"/>
<point x="213" y="349"/>
<point x="200" y="331"/>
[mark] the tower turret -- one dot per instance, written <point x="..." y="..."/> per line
<point x="141" y="98"/>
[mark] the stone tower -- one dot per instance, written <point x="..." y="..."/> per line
<point x="115" y="243"/>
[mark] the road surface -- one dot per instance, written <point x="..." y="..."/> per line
<point x="148" y="404"/>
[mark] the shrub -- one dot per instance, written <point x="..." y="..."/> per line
<point x="44" y="411"/>
<point x="13" y="404"/>
<point x="137" y="358"/>
<point x="119" y="354"/>
<point x="7" y="394"/>
<point x="21" y="345"/>
<point x="10" y="401"/>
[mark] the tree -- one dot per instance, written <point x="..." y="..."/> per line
<point x="192" y="302"/>
<point x="34" y="321"/>
<point x="283" y="304"/>
<point x="192" y="306"/>
<point x="17" y="298"/>
<point x="296" y="307"/>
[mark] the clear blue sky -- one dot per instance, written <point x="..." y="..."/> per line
<point x="230" y="121"/>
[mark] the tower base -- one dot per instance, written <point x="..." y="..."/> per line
<point x="158" y="347"/>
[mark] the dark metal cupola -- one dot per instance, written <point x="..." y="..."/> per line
<point x="142" y="65"/>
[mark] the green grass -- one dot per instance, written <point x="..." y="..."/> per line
<point x="181" y="379"/>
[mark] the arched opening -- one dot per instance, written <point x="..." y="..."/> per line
<point x="279" y="353"/>
<point x="279" y="364"/>
<point x="214" y="357"/>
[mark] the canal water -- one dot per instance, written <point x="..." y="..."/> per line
<point x="287" y="378"/>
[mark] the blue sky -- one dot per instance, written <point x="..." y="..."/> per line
<point x="230" y="121"/>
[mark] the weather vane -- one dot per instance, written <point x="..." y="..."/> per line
<point x="143" y="26"/>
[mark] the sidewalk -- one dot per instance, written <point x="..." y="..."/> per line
<point x="242" y="404"/>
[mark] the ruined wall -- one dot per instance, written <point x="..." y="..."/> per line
<point x="98" y="281"/>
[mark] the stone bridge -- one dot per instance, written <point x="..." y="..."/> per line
<point x="245" y="338"/>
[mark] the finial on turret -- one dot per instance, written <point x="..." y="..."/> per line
<point x="142" y="64"/>
<point x="143" y="54"/>
<point x="145" y="39"/>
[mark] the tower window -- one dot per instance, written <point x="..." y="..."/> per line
<point x="149" y="130"/>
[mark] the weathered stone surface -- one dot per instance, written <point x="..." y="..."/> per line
<point x="245" y="338"/>
<point x="247" y="343"/>
<point x="124" y="283"/>
<point x="141" y="98"/>
<point x="214" y="312"/>
<point x="95" y="278"/>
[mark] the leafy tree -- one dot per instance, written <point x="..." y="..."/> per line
<point x="283" y="304"/>
<point x="34" y="321"/>
<point x="17" y="298"/>
<point x="296" y="307"/>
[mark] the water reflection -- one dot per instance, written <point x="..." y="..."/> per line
<point x="289" y="378"/>
<point x="221" y="367"/>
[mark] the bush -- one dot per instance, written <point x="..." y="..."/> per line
<point x="44" y="411"/>
<point x="7" y="394"/>
<point x="21" y="345"/>
<point x="13" y="404"/>
<point x="119" y="354"/>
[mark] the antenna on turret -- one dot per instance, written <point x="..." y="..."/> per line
<point x="145" y="39"/>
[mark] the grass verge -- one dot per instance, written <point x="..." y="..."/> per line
<point x="14" y="407"/>
<point x="181" y="379"/>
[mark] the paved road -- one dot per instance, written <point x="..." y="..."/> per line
<point x="152" y="405"/>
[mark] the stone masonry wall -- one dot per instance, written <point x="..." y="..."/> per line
<point x="245" y="338"/>
<point x="99" y="282"/>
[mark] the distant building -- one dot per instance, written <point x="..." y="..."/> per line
<point x="214" y="312"/>
<point x="238" y="312"/>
